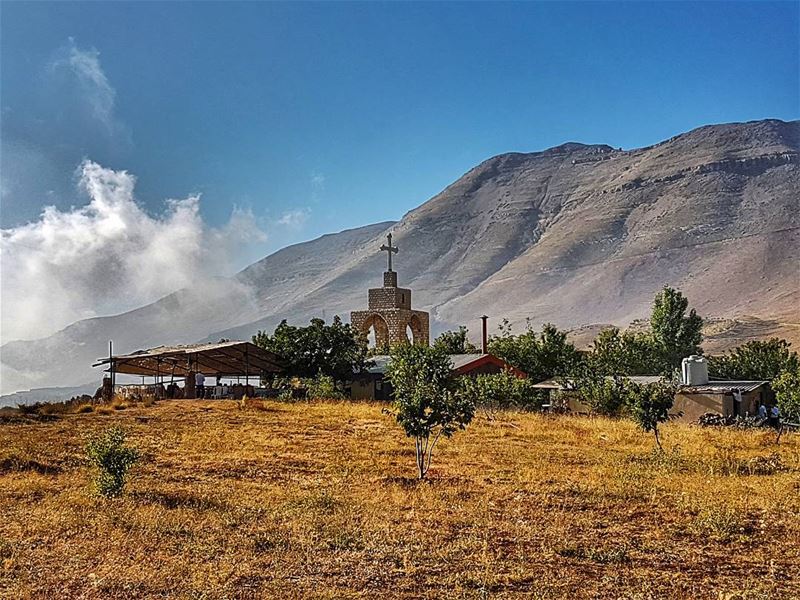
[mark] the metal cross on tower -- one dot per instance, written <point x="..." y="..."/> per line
<point x="390" y="249"/>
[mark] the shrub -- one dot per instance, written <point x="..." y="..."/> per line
<point x="112" y="459"/>
<point x="721" y="523"/>
<point x="500" y="391"/>
<point x="322" y="386"/>
<point x="603" y="394"/>
<point x="29" y="409"/>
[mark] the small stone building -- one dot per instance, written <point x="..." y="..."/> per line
<point x="389" y="312"/>
<point x="727" y="398"/>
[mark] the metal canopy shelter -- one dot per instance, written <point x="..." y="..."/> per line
<point x="225" y="359"/>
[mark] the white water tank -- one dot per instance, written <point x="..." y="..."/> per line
<point x="694" y="370"/>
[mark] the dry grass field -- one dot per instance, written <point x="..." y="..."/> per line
<point x="319" y="500"/>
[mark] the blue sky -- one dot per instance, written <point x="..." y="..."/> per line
<point x="319" y="117"/>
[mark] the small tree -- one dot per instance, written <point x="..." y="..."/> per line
<point x="113" y="459"/>
<point x="455" y="342"/>
<point x="426" y="405"/>
<point x="787" y="395"/>
<point x="649" y="405"/>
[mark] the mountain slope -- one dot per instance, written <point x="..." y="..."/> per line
<point x="576" y="234"/>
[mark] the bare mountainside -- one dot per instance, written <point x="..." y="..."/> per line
<point x="575" y="235"/>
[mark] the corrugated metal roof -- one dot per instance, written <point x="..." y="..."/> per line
<point x="235" y="357"/>
<point x="458" y="361"/>
<point x="553" y="384"/>
<point x="712" y="387"/>
<point x="178" y="349"/>
<point x="722" y="387"/>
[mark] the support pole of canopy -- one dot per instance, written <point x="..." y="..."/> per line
<point x="246" y="367"/>
<point x="111" y="363"/>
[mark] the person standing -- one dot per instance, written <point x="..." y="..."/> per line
<point x="775" y="417"/>
<point x="762" y="413"/>
<point x="199" y="385"/>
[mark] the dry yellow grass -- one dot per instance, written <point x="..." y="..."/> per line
<point x="319" y="500"/>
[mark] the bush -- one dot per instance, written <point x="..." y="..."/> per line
<point x="500" y="391"/>
<point x="294" y="389"/>
<point x="322" y="386"/>
<point x="604" y="395"/>
<point x="113" y="459"/>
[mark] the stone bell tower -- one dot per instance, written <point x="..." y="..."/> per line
<point x="389" y="311"/>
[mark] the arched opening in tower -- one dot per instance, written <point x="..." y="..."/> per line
<point x="415" y="326"/>
<point x="377" y="332"/>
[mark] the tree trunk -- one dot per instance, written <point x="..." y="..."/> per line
<point x="420" y="452"/>
<point x="658" y="441"/>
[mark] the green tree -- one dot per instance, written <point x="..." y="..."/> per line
<point x="675" y="333"/>
<point x="426" y="404"/>
<point x="649" y="405"/>
<point x="455" y="342"/>
<point x="756" y="360"/>
<point x="336" y="350"/>
<point x="541" y="356"/>
<point x="624" y="353"/>
<point x="787" y="394"/>
<point x="112" y="459"/>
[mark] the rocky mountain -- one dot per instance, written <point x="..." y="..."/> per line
<point x="577" y="234"/>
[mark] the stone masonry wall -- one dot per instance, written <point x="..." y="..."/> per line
<point x="390" y="314"/>
<point x="389" y="297"/>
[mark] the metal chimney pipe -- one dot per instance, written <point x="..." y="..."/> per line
<point x="484" y="335"/>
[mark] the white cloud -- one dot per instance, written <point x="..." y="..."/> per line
<point x="295" y="219"/>
<point x="84" y="66"/>
<point x="317" y="186"/>
<point x="109" y="255"/>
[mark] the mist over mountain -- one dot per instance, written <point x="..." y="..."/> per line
<point x="575" y="235"/>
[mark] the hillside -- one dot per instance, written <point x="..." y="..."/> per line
<point x="576" y="235"/>
<point x="319" y="499"/>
